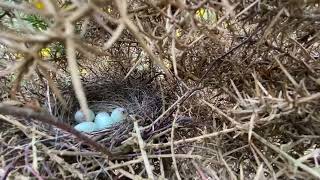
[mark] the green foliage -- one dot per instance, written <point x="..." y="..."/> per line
<point x="37" y="22"/>
<point x="206" y="15"/>
<point x="58" y="50"/>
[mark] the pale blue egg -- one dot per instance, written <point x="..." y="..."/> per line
<point x="118" y="115"/>
<point x="103" y="121"/>
<point x="87" y="127"/>
<point x="80" y="117"/>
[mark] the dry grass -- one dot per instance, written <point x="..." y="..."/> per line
<point x="234" y="96"/>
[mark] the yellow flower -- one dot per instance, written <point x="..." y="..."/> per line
<point x="83" y="72"/>
<point x="178" y="33"/>
<point x="200" y="12"/>
<point x="38" y="4"/>
<point x="45" y="52"/>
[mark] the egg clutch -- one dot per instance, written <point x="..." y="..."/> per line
<point x="99" y="122"/>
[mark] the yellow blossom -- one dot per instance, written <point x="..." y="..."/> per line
<point x="45" y="52"/>
<point x="38" y="4"/>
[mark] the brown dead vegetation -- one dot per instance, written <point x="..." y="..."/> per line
<point x="215" y="89"/>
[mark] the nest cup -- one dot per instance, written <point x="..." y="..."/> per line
<point x="140" y="100"/>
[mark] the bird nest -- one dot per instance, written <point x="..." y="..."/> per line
<point x="142" y="101"/>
